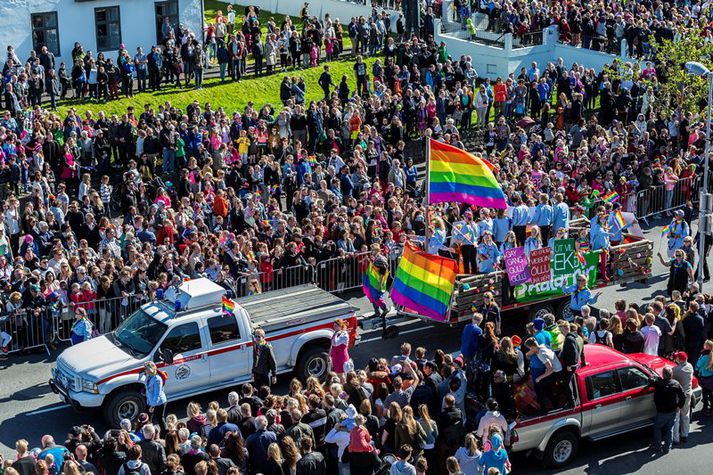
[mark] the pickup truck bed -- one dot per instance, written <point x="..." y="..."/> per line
<point x="280" y="309"/>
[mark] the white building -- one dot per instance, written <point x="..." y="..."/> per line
<point x="99" y="25"/>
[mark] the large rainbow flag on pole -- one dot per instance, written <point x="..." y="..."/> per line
<point x="424" y="282"/>
<point x="456" y="175"/>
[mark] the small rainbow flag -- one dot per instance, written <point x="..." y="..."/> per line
<point x="582" y="260"/>
<point x="456" y="175"/>
<point x="374" y="283"/>
<point x="619" y="220"/>
<point x="611" y="197"/>
<point x="424" y="282"/>
<point x="666" y="229"/>
<point x="228" y="306"/>
<point x="311" y="159"/>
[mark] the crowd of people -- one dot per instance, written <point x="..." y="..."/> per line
<point x="248" y="195"/>
<point x="632" y="29"/>
<point x="417" y="412"/>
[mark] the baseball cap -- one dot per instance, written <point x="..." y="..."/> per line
<point x="681" y="355"/>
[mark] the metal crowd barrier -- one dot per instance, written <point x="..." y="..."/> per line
<point x="27" y="330"/>
<point x="656" y="200"/>
<point x="336" y="275"/>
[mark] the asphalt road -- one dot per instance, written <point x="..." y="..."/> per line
<point x="29" y="409"/>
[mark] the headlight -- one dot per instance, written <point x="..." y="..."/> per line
<point x="90" y="387"/>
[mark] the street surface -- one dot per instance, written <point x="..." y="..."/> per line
<point x="29" y="409"/>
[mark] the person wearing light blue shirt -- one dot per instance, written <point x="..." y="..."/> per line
<point x="533" y="241"/>
<point x="438" y="237"/>
<point x="501" y="226"/>
<point x="485" y="223"/>
<point x="520" y="218"/>
<point x="488" y="254"/>
<point x="543" y="217"/>
<point x="599" y="237"/>
<point x="677" y="230"/>
<point x="466" y="233"/>
<point x="616" y="232"/>
<point x="580" y="295"/>
<point x="560" y="213"/>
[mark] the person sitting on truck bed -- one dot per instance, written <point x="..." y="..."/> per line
<point x="551" y="371"/>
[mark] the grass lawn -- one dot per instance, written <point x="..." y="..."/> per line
<point x="231" y="96"/>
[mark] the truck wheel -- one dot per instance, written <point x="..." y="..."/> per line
<point x="564" y="311"/>
<point x="540" y="311"/>
<point x="124" y="404"/>
<point x="313" y="362"/>
<point x="561" y="449"/>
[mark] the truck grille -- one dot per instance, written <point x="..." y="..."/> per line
<point x="65" y="377"/>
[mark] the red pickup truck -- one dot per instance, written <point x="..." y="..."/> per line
<point x="614" y="395"/>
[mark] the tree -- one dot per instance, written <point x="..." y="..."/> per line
<point x="675" y="90"/>
<point x="678" y="90"/>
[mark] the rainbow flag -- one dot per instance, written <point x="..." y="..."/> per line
<point x="228" y="306"/>
<point x="374" y="283"/>
<point x="619" y="220"/>
<point x="456" y="175"/>
<point x="582" y="260"/>
<point x="666" y="229"/>
<point x="611" y="197"/>
<point x="424" y="282"/>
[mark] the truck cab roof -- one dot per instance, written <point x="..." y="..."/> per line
<point x="194" y="294"/>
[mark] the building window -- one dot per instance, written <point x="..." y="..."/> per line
<point x="165" y="8"/>
<point x="108" y="28"/>
<point x="45" y="32"/>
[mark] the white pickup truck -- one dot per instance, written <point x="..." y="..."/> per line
<point x="200" y="347"/>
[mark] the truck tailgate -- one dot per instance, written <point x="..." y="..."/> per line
<point x="279" y="309"/>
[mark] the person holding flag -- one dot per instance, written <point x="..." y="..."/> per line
<point x="678" y="229"/>
<point x="617" y="224"/>
<point x="465" y="235"/>
<point x="600" y="237"/>
<point x="374" y="284"/>
<point x="580" y="295"/>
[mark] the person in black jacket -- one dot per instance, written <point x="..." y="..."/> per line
<point x="264" y="362"/>
<point x="668" y="398"/>
<point x="311" y="463"/>
<point x="152" y="452"/>
<point x="572" y="355"/>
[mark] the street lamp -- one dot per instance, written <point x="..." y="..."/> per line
<point x="694" y="68"/>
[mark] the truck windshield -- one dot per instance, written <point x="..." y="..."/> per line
<point x="139" y="333"/>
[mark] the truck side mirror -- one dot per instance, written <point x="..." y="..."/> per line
<point x="165" y="355"/>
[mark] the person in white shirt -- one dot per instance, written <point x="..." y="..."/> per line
<point x="492" y="418"/>
<point x="652" y="335"/>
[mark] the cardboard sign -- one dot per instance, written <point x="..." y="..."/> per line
<point x="540" y="269"/>
<point x="517" y="266"/>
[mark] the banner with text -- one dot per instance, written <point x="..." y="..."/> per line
<point x="516" y="266"/>
<point x="540" y="268"/>
<point x="564" y="269"/>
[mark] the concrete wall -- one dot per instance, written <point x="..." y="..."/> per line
<point x="493" y="61"/>
<point x="76" y="23"/>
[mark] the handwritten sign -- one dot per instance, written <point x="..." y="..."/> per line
<point x="540" y="265"/>
<point x="516" y="266"/>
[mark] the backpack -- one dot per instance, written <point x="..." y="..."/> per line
<point x="132" y="471"/>
<point x="600" y="340"/>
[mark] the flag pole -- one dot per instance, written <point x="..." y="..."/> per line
<point x="428" y="191"/>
